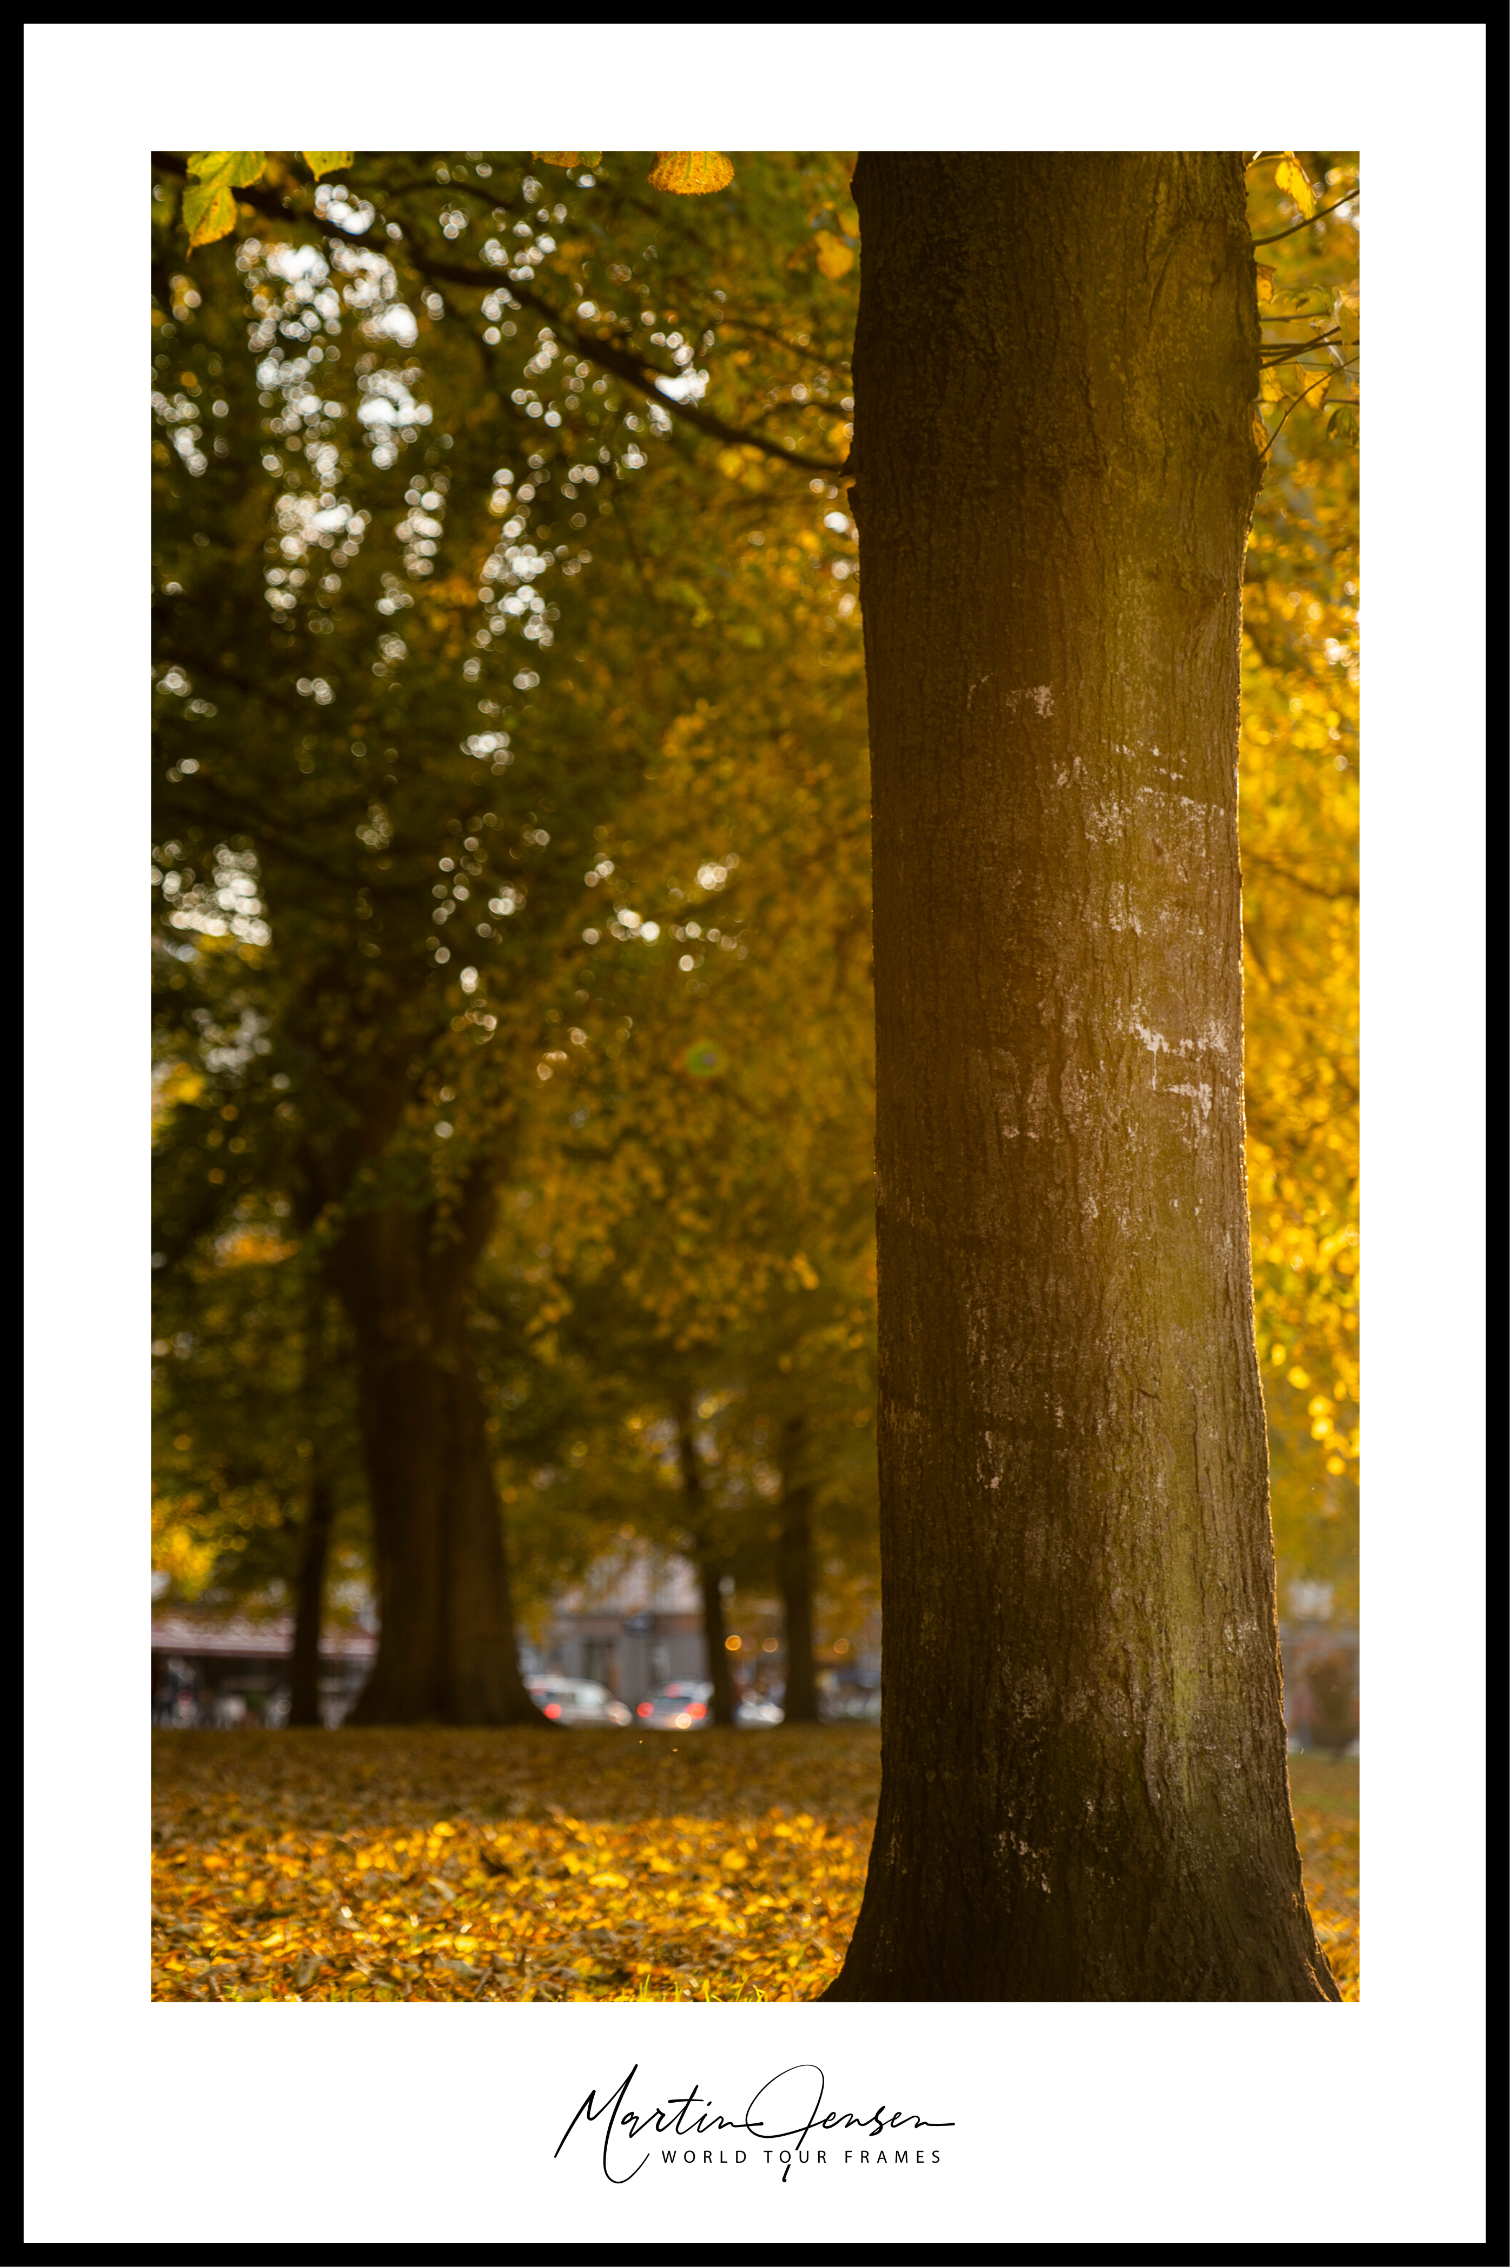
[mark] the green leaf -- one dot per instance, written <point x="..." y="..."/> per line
<point x="321" y="162"/>
<point x="1291" y="180"/>
<point x="210" y="204"/>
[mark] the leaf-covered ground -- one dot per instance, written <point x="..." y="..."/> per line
<point x="518" y="1865"/>
<point x="1325" y="1804"/>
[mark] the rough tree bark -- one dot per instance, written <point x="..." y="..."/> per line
<point x="1084" y="1780"/>
<point x="795" y="1570"/>
<point x="446" y="1648"/>
<point x="721" y="1708"/>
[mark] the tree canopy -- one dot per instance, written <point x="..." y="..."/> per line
<point x="512" y="864"/>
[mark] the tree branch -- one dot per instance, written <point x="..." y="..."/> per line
<point x="1327" y="378"/>
<point x="628" y="368"/>
<point x="1307" y="346"/>
<point x="226" y="812"/>
<point x="1316" y="889"/>
<point x="1281" y="233"/>
<point x="764" y="330"/>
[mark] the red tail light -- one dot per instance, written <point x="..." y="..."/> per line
<point x="697" y="1709"/>
<point x="553" y="1708"/>
<point x="645" y="1709"/>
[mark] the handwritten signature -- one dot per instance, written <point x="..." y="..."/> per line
<point x="795" y="2095"/>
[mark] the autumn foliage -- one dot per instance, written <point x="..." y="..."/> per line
<point x="477" y="1865"/>
<point x="513" y="879"/>
<point x="704" y="698"/>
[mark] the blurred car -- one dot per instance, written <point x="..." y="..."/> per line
<point x="686" y="1707"/>
<point x="575" y="1700"/>
<point x="675" y="1708"/>
<point x="851" y="1704"/>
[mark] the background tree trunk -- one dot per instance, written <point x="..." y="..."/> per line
<point x="795" y="1568"/>
<point x="721" y="1707"/>
<point x="1084" y="1780"/>
<point x="309" y="1602"/>
<point x="314" y="1542"/>
<point x="446" y="1645"/>
<point x="710" y="1573"/>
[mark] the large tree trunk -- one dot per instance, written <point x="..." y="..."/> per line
<point x="1084" y="1781"/>
<point x="710" y="1572"/>
<point x="446" y="1648"/>
<point x="795" y="1570"/>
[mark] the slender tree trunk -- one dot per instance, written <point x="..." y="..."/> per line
<point x="1084" y="1781"/>
<point x="721" y="1708"/>
<point x="446" y="1647"/>
<point x="795" y="1568"/>
<point x="710" y="1573"/>
<point x="314" y="1542"/>
<point x="309" y="1602"/>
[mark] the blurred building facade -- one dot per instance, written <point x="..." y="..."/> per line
<point x="225" y="1671"/>
<point x="634" y="1622"/>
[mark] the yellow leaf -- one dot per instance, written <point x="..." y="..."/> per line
<point x="835" y="257"/>
<point x="568" y="158"/>
<point x="321" y="162"/>
<point x="1266" y="278"/>
<point x="1261" y="433"/>
<point x="238" y="167"/>
<point x="691" y="173"/>
<point x="208" y="214"/>
<point x="209" y="205"/>
<point x="1291" y="180"/>
<point x="1346" y="315"/>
